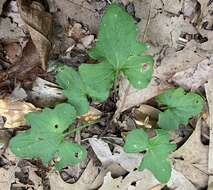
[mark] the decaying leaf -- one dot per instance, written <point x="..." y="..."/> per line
<point x="14" y="112"/>
<point x="145" y="181"/>
<point x="39" y="24"/>
<point x="79" y="10"/>
<point x="192" y="158"/>
<point x="45" y="93"/>
<point x="146" y="116"/>
<point x="128" y="161"/>
<point x="196" y="76"/>
<point x="209" y="94"/>
<point x="88" y="180"/>
<point x="92" y="115"/>
<point x="7" y="177"/>
<point x="1" y="5"/>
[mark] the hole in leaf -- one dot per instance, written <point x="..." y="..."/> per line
<point x="56" y="126"/>
<point x="76" y="155"/>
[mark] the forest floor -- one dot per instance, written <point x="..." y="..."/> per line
<point x="34" y="43"/>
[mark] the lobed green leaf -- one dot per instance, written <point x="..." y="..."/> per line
<point x="180" y="106"/>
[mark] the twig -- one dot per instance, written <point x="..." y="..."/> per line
<point x="79" y="128"/>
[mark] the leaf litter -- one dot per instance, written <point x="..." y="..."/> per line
<point x="182" y="48"/>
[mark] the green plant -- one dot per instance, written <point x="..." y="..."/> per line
<point x="118" y="51"/>
<point x="179" y="106"/>
<point x="156" y="151"/>
<point x="45" y="139"/>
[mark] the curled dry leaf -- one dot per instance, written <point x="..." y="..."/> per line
<point x="209" y="94"/>
<point x="128" y="161"/>
<point x="87" y="181"/>
<point x="45" y="93"/>
<point x="146" y="116"/>
<point x="193" y="162"/>
<point x="92" y="115"/>
<point x="39" y="23"/>
<point x="14" y="112"/>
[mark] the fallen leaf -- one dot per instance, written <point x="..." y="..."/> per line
<point x="87" y="181"/>
<point x="128" y="161"/>
<point x="18" y="94"/>
<point x="209" y="94"/>
<point x="9" y="31"/>
<point x="92" y="115"/>
<point x="1" y="5"/>
<point x="165" y="24"/>
<point x="26" y="69"/>
<point x="14" y="112"/>
<point x="196" y="76"/>
<point x="79" y="10"/>
<point x="7" y="177"/>
<point x="45" y="93"/>
<point x="39" y="24"/>
<point x="145" y="181"/>
<point x="193" y="162"/>
<point x="146" y="116"/>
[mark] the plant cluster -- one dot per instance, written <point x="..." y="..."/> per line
<point x="117" y="51"/>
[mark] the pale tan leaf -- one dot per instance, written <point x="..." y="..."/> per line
<point x="192" y="158"/>
<point x="14" y="112"/>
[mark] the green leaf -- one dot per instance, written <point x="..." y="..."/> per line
<point x="136" y="141"/>
<point x="74" y="89"/>
<point x="180" y="107"/>
<point x="70" y="154"/>
<point x="155" y="158"/>
<point x="45" y="139"/>
<point x="98" y="79"/>
<point x="118" y="50"/>
<point x="157" y="150"/>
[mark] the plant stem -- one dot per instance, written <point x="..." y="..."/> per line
<point x="79" y="128"/>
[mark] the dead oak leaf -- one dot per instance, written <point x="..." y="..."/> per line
<point x="39" y="23"/>
<point x="14" y="112"/>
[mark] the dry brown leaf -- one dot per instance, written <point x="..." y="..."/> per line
<point x="146" y="116"/>
<point x="192" y="158"/>
<point x="7" y="177"/>
<point x="87" y="181"/>
<point x="14" y="112"/>
<point x="145" y="181"/>
<point x="209" y="94"/>
<point x="92" y="115"/>
<point x="25" y="70"/>
<point x="1" y="5"/>
<point x="128" y="161"/>
<point x="10" y="32"/>
<point x="39" y="24"/>
<point x="196" y="76"/>
<point x="45" y="93"/>
<point x="78" y="10"/>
